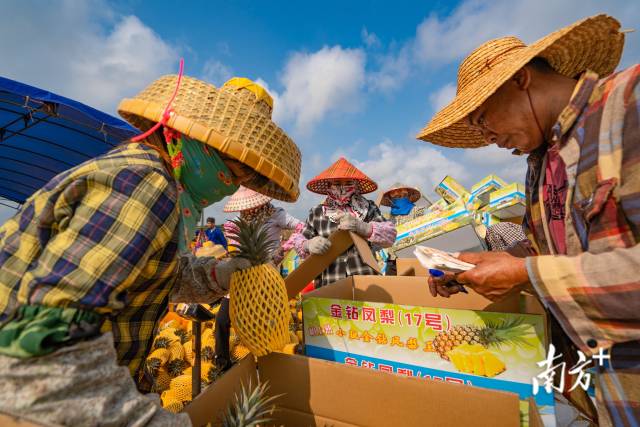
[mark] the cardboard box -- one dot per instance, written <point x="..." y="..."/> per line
<point x="465" y="238"/>
<point x="315" y="392"/>
<point x="314" y="265"/>
<point x="483" y="188"/>
<point x="450" y="189"/>
<point x="367" y="321"/>
<point x="431" y="225"/>
<point x="508" y="202"/>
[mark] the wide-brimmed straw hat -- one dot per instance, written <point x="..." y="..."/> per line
<point x="413" y="193"/>
<point x="341" y="169"/>
<point x="594" y="43"/>
<point x="245" y="198"/>
<point x="235" y="119"/>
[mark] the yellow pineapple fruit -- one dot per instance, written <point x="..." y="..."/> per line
<point x="492" y="364"/>
<point x="171" y="401"/>
<point x="238" y="352"/>
<point x="188" y="351"/>
<point x="181" y="386"/>
<point x="177" y="350"/>
<point x="300" y="336"/>
<point x="158" y="358"/>
<point x="161" y="380"/>
<point x="205" y="368"/>
<point x="258" y="297"/>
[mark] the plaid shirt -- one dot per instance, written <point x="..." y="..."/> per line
<point x="594" y="291"/>
<point x="101" y="237"/>
<point x="349" y="263"/>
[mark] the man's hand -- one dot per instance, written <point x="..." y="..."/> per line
<point x="496" y="274"/>
<point x="226" y="268"/>
<point x="351" y="223"/>
<point x="318" y="245"/>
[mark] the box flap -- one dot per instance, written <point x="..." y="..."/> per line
<point x="342" y="289"/>
<point x="314" y="265"/>
<point x="214" y="400"/>
<point x="358" y="396"/>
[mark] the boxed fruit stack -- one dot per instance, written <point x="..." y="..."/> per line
<point x="393" y="324"/>
<point x="508" y="202"/>
<point x="490" y="201"/>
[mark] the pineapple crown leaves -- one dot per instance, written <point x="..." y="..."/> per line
<point x="512" y="330"/>
<point x="162" y="342"/>
<point x="251" y="407"/>
<point x="183" y="335"/>
<point x="252" y="242"/>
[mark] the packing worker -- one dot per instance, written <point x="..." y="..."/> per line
<point x="89" y="263"/>
<point x="402" y="201"/>
<point x="559" y="101"/>
<point x="214" y="234"/>
<point x="344" y="208"/>
<point x="252" y="207"/>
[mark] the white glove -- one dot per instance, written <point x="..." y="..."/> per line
<point x="225" y="269"/>
<point x="351" y="223"/>
<point x="318" y="245"/>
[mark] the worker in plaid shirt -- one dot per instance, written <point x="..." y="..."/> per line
<point x="343" y="209"/>
<point x="89" y="263"/>
<point x="558" y="102"/>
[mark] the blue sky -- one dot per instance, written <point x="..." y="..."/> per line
<point x="357" y="79"/>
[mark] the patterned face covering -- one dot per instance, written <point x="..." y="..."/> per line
<point x="341" y="192"/>
<point x="344" y="197"/>
<point x="203" y="179"/>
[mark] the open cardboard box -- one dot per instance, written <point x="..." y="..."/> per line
<point x="315" y="392"/>
<point x="409" y="289"/>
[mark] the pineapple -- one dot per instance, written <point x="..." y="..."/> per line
<point x="183" y="334"/>
<point x="239" y="352"/>
<point x="161" y="380"/>
<point x="171" y="401"/>
<point x="492" y="334"/>
<point x="476" y="359"/>
<point x="250" y="409"/>
<point x="158" y="357"/>
<point x="259" y="307"/>
<point x="175" y="367"/>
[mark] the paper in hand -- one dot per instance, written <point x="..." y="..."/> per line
<point x="436" y="259"/>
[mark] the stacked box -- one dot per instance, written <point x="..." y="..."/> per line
<point x="450" y="189"/>
<point x="481" y="190"/>
<point x="433" y="224"/>
<point x="508" y="202"/>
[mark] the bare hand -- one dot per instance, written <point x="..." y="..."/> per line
<point x="443" y="285"/>
<point x="495" y="275"/>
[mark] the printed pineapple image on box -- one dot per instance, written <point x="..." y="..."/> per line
<point x="492" y="350"/>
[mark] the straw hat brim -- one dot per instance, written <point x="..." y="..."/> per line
<point x="321" y="186"/>
<point x="242" y="202"/>
<point x="200" y="110"/>
<point x="591" y="44"/>
<point x="414" y="194"/>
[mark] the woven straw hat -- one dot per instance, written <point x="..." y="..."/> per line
<point x="414" y="193"/>
<point x="594" y="43"/>
<point x="234" y="119"/>
<point x="245" y="198"/>
<point x="341" y="169"/>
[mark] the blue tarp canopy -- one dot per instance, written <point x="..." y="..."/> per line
<point x="43" y="134"/>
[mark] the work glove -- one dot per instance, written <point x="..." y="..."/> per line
<point x="351" y="223"/>
<point x="318" y="245"/>
<point x="226" y="268"/>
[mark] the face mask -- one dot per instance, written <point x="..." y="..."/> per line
<point x="341" y="193"/>
<point x="401" y="206"/>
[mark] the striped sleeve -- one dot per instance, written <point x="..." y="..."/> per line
<point x="108" y="224"/>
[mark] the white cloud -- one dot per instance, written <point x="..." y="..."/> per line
<point x="82" y="50"/>
<point x="393" y="70"/>
<point x="371" y="40"/>
<point x="442" y="40"/>
<point x="416" y="164"/>
<point x="443" y="96"/>
<point x="216" y="72"/>
<point x="315" y="84"/>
